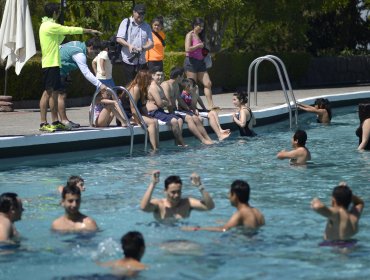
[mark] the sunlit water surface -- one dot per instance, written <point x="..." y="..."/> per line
<point x="286" y="248"/>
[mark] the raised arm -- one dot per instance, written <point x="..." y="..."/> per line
<point x="288" y="154"/>
<point x="207" y="202"/>
<point x="320" y="208"/>
<point x="147" y="204"/>
<point x="311" y="109"/>
<point x="358" y="205"/>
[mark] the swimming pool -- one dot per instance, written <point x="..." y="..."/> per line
<point x="286" y="248"/>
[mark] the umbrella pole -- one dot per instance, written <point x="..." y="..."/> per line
<point x="6" y="81"/>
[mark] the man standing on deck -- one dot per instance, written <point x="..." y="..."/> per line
<point x="51" y="36"/>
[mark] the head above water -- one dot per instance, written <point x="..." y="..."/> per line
<point x="241" y="189"/>
<point x="133" y="245"/>
<point x="76" y="181"/>
<point x="11" y="205"/>
<point x="342" y="195"/>
<point x="323" y="103"/>
<point x="363" y="111"/>
<point x="172" y="179"/>
<point x="301" y="137"/>
<point x="242" y="96"/>
<point x="71" y="189"/>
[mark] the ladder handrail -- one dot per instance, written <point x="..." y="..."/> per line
<point x="273" y="59"/>
<point x="97" y="91"/>
<point x="141" y="119"/>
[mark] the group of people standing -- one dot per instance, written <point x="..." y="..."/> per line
<point x="142" y="48"/>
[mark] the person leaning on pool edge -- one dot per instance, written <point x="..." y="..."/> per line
<point x="363" y="131"/>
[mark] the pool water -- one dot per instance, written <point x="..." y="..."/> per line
<point x="285" y="248"/>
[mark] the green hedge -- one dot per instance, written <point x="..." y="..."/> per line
<point x="229" y="71"/>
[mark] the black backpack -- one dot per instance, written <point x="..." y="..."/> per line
<point x="115" y="48"/>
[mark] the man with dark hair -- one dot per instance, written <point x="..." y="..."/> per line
<point x="173" y="206"/>
<point x="300" y="154"/>
<point x="10" y="211"/>
<point x="171" y="90"/>
<point x="156" y="103"/>
<point x="133" y="246"/>
<point x="247" y="216"/>
<point x="342" y="223"/>
<point x="73" y="56"/>
<point x="51" y="36"/>
<point x="135" y="36"/>
<point x="73" y="220"/>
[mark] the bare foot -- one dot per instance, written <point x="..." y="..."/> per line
<point x="224" y="136"/>
<point x="207" y="142"/>
<point x="225" y="131"/>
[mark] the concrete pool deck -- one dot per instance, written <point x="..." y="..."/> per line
<point x="19" y="134"/>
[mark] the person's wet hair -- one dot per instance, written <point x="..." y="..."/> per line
<point x="363" y="111"/>
<point x="301" y="136"/>
<point x="71" y="189"/>
<point x="50" y="8"/>
<point x="242" y="96"/>
<point x="8" y="201"/>
<point x="241" y="189"/>
<point x="74" y="180"/>
<point x="133" y="245"/>
<point x="176" y="72"/>
<point x="324" y="103"/>
<point x="342" y="195"/>
<point x="172" y="179"/>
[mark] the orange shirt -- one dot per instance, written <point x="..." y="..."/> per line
<point x="157" y="52"/>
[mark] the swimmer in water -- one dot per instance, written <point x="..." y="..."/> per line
<point x="321" y="109"/>
<point x="300" y="154"/>
<point x="246" y="216"/>
<point x="342" y="223"/>
<point x="11" y="210"/>
<point x="133" y="247"/>
<point x="73" y="220"/>
<point x="74" y="180"/>
<point x="173" y="206"/>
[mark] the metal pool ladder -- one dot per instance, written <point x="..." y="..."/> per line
<point x="289" y="96"/>
<point x="129" y="125"/>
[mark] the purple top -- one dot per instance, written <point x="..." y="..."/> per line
<point x="197" y="54"/>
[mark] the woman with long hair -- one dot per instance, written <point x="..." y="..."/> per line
<point x="138" y="89"/>
<point x="194" y="64"/>
<point x="155" y="55"/>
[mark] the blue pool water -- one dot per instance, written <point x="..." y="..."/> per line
<point x="286" y="248"/>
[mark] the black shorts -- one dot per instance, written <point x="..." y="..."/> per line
<point x="152" y="64"/>
<point x="51" y="78"/>
<point x="194" y="65"/>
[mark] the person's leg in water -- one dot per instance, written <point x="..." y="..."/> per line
<point x="153" y="131"/>
<point x="203" y="77"/>
<point x="214" y="122"/>
<point x="176" y="126"/>
<point x="196" y="130"/>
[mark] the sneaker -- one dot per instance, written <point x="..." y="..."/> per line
<point x="59" y="126"/>
<point x="71" y="124"/>
<point x="46" y="127"/>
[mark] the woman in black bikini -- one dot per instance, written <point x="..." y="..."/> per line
<point x="243" y="117"/>
<point x="363" y="131"/>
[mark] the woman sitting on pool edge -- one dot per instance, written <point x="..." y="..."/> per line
<point x="321" y="109"/>
<point x="243" y="117"/>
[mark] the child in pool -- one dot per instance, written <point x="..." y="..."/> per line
<point x="249" y="217"/>
<point x="74" y="180"/>
<point x="321" y="109"/>
<point x="300" y="154"/>
<point x="133" y="247"/>
<point x="342" y="223"/>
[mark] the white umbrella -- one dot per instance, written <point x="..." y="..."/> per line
<point x="16" y="35"/>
